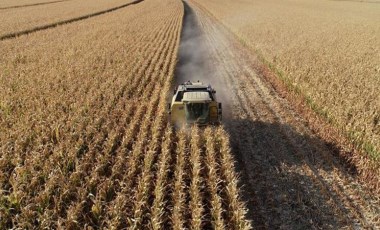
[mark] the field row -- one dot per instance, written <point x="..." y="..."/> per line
<point x="70" y="107"/>
<point x="84" y="134"/>
<point x="28" y="18"/>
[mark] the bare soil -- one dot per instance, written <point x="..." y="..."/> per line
<point x="290" y="176"/>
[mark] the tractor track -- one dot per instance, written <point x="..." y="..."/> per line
<point x="290" y="177"/>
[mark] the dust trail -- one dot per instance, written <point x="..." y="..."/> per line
<point x="195" y="61"/>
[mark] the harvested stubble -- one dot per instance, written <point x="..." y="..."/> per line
<point x="84" y="135"/>
<point x="325" y="51"/>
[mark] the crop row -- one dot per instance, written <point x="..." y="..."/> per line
<point x="9" y="4"/>
<point x="81" y="115"/>
<point x="84" y="134"/>
<point x="19" y="20"/>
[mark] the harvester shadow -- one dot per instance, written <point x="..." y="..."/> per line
<point x="278" y="192"/>
<point x="280" y="177"/>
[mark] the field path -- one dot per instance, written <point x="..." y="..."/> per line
<point x="290" y="177"/>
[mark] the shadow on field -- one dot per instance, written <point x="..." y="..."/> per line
<point x="276" y="187"/>
<point x="278" y="166"/>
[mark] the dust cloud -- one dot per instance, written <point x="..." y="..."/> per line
<point x="196" y="61"/>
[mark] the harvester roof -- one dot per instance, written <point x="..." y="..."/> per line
<point x="192" y="87"/>
<point x="196" y="97"/>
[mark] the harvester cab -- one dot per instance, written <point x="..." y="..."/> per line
<point x="195" y="103"/>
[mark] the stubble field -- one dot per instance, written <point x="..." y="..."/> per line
<point x="326" y="51"/>
<point x="293" y="174"/>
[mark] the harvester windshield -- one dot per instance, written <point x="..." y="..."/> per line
<point x="197" y="112"/>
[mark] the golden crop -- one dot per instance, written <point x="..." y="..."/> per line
<point x="22" y="3"/>
<point x="84" y="135"/>
<point x="28" y="18"/>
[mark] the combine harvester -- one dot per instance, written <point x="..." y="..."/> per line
<point x="195" y="103"/>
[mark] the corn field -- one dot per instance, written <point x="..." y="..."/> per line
<point x="31" y="18"/>
<point x="85" y="140"/>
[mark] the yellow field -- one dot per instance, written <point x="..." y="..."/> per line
<point x="329" y="51"/>
<point x="20" y="3"/>
<point x="84" y="135"/>
<point x="27" y="18"/>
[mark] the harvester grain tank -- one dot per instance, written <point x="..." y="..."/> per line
<point x="195" y="103"/>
